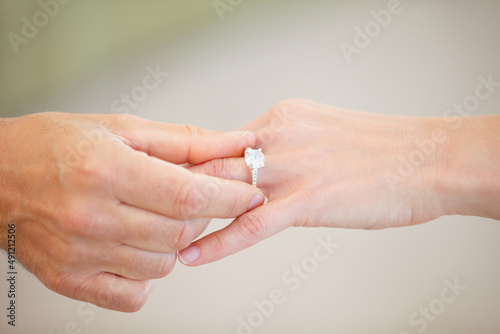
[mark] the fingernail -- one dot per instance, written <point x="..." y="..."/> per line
<point x="257" y="200"/>
<point x="239" y="134"/>
<point x="189" y="254"/>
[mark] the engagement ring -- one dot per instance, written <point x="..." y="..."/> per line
<point x="255" y="160"/>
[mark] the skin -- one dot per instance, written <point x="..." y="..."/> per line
<point x="102" y="203"/>
<point x="332" y="167"/>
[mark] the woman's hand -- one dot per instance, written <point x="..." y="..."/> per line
<point x="331" y="167"/>
<point x="101" y="205"/>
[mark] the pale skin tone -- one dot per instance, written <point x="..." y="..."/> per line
<point x="102" y="203"/>
<point x="332" y="167"/>
<point x="101" y="224"/>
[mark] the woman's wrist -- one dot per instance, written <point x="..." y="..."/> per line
<point x="421" y="166"/>
<point x="468" y="182"/>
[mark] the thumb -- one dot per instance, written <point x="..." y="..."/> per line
<point x="243" y="232"/>
<point x="178" y="143"/>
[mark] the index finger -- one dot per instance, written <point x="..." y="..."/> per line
<point x="243" y="232"/>
<point x="171" y="190"/>
<point x="177" y="143"/>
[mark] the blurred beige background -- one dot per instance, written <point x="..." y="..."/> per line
<point x="222" y="73"/>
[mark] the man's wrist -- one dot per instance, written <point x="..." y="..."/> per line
<point x="4" y="147"/>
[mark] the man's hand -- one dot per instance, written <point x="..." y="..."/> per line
<point x="102" y="204"/>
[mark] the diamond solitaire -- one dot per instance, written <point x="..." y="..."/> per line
<point x="254" y="159"/>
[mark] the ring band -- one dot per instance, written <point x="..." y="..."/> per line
<point x="254" y="159"/>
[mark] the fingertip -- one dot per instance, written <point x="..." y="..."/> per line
<point x="141" y="296"/>
<point x="245" y="231"/>
<point x="247" y="138"/>
<point x="189" y="255"/>
<point x="257" y="200"/>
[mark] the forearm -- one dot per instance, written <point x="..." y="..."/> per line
<point x="470" y="181"/>
<point x="14" y="158"/>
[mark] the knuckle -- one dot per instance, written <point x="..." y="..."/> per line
<point x="220" y="245"/>
<point x="66" y="283"/>
<point x="290" y="105"/>
<point x="75" y="220"/>
<point x="235" y="207"/>
<point x="135" y="305"/>
<point x="287" y="103"/>
<point x="193" y="133"/>
<point x="182" y="244"/>
<point x="167" y="265"/>
<point x="52" y="280"/>
<point x="93" y="170"/>
<point x="192" y="130"/>
<point x="119" y="123"/>
<point x="169" y="236"/>
<point x="189" y="231"/>
<point x="113" y="292"/>
<point x="218" y="168"/>
<point x="252" y="226"/>
<point x="134" y="301"/>
<point x="188" y="200"/>
<point x="127" y="119"/>
<point x="181" y="240"/>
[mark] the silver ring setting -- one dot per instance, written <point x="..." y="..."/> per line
<point x="254" y="159"/>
